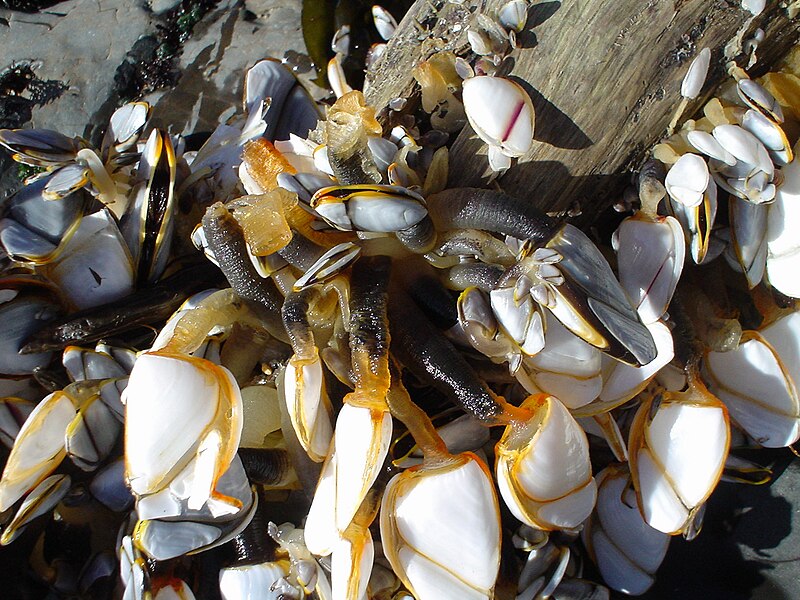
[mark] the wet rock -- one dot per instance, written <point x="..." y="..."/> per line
<point x="162" y="6"/>
<point x="228" y="40"/>
<point x="78" y="45"/>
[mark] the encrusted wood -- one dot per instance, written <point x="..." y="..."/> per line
<point x="604" y="76"/>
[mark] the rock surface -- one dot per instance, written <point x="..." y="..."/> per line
<point x="69" y="66"/>
<point x="79" y="43"/>
<point x="228" y="40"/>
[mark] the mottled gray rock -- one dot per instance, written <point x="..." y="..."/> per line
<point x="223" y="45"/>
<point x="161" y="6"/>
<point x="82" y="43"/>
<point x="79" y="43"/>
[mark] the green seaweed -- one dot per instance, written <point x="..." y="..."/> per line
<point x="152" y="62"/>
<point x="25" y="171"/>
<point x="317" y="19"/>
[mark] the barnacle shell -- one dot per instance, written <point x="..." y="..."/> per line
<point x="783" y="249"/>
<point x="696" y="75"/>
<point x="308" y="405"/>
<point x="500" y="112"/>
<point x="758" y="382"/>
<point x="626" y="549"/>
<point x="650" y="261"/>
<point x="687" y="180"/>
<point x="677" y="451"/>
<point x="360" y="444"/>
<point x="543" y="469"/>
<point x="440" y="527"/>
<point x="179" y="407"/>
<point x="38" y="449"/>
<point x="567" y="367"/>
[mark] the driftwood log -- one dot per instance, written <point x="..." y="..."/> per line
<point x="604" y="77"/>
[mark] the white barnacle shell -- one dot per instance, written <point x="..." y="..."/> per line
<point x="748" y="245"/>
<point x="622" y="382"/>
<point x="38" y="449"/>
<point x="754" y="6"/>
<point x="329" y="265"/>
<point x="385" y="23"/>
<point x="783" y="244"/>
<point x="440" y="527"/>
<point x="132" y="570"/>
<point x="92" y="434"/>
<point x="66" y="180"/>
<point x="251" y="581"/>
<point x="82" y="363"/>
<point x="625" y="548"/>
<point x="351" y="562"/>
<point x="707" y="144"/>
<point x="384" y="213"/>
<point x="513" y="15"/>
<point x="757" y="97"/>
<point x="34" y="229"/>
<point x="39" y="502"/>
<point x="360" y="444"/>
<point x="519" y="319"/>
<point x="378" y="208"/>
<point x="341" y="40"/>
<point x="337" y="77"/>
<point x="320" y="532"/>
<point x="606" y="320"/>
<point x="678" y="445"/>
<point x="543" y="469"/>
<point x="308" y="406"/>
<point x="179" y="407"/>
<point x="687" y="180"/>
<point x="95" y="266"/>
<point x="697" y="222"/>
<point x="39" y="147"/>
<point x="126" y="125"/>
<point x="758" y="381"/>
<point x="169" y="527"/>
<point x="696" y="75"/>
<point x="650" y="255"/>
<point x="498" y="161"/>
<point x="567" y="367"/>
<point x="479" y="325"/>
<point x="480" y="42"/>
<point x="770" y="134"/>
<point x="500" y="112"/>
<point x="271" y="87"/>
<point x="744" y="146"/>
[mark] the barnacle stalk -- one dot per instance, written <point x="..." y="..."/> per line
<point x="350" y="120"/>
<point x="304" y="387"/>
<point x="226" y="241"/>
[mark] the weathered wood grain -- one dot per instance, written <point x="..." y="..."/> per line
<point x="604" y="76"/>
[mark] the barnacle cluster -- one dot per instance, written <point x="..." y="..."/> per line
<point x="299" y="323"/>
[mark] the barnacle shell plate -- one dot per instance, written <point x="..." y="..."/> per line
<point x="173" y="403"/>
<point x="543" y="469"/>
<point x="500" y="112"/>
<point x="441" y="530"/>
